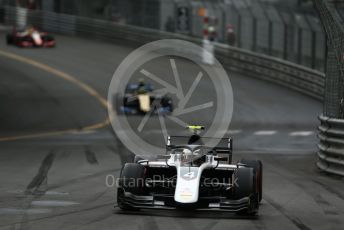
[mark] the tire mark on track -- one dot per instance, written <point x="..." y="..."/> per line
<point x="293" y="219"/>
<point x="98" y="219"/>
<point x="58" y="215"/>
<point x="124" y="154"/>
<point x="330" y="190"/>
<point x="296" y="221"/>
<point x="75" y="180"/>
<point x="34" y="189"/>
<point x="327" y="207"/>
<point x="42" y="174"/>
<point x="90" y="156"/>
<point x="313" y="193"/>
<point x="97" y="196"/>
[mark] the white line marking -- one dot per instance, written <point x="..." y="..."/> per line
<point x="54" y="203"/>
<point x="265" y="132"/>
<point x="234" y="131"/>
<point x="56" y="193"/>
<point x="15" y="211"/>
<point x="301" y="133"/>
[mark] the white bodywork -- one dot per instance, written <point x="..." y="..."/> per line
<point x="188" y="183"/>
<point x="144" y="101"/>
<point x="37" y="38"/>
<point x="189" y="177"/>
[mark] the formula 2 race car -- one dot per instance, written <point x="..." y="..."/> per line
<point x="140" y="99"/>
<point x="30" y="37"/>
<point x="192" y="176"/>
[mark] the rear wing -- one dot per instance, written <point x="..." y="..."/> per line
<point x="224" y="146"/>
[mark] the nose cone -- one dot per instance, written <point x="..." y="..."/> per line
<point x="187" y="185"/>
<point x="37" y="38"/>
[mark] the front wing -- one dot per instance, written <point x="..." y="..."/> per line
<point x="204" y="203"/>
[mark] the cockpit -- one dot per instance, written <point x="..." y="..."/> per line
<point x="192" y="155"/>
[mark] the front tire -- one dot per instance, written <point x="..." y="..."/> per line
<point x="131" y="180"/>
<point x="257" y="165"/>
<point x="245" y="186"/>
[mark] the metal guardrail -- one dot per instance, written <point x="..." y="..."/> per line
<point x="297" y="77"/>
<point x="331" y="146"/>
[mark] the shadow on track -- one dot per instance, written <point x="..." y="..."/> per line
<point x="186" y="214"/>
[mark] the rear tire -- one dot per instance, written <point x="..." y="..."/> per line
<point x="257" y="165"/>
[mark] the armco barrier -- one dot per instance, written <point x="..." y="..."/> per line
<point x="299" y="78"/>
<point x="331" y="146"/>
<point x="302" y="79"/>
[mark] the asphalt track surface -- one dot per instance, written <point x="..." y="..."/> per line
<point x="57" y="151"/>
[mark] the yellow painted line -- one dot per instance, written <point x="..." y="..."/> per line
<point x="88" y="89"/>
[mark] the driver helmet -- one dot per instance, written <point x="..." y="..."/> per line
<point x="187" y="154"/>
<point x="30" y="29"/>
<point x="141" y="82"/>
<point x="141" y="86"/>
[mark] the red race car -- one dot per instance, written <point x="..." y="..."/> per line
<point x="30" y="37"/>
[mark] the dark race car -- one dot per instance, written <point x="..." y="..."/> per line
<point x="192" y="176"/>
<point x="30" y="37"/>
<point x="140" y="98"/>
